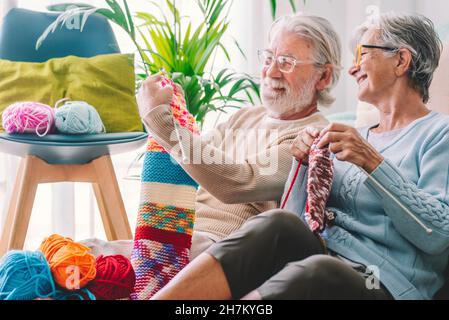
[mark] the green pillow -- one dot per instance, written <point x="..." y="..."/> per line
<point x="106" y="82"/>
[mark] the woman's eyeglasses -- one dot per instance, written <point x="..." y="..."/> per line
<point x="286" y="64"/>
<point x="359" y="50"/>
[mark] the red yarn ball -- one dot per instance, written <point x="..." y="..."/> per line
<point x="115" y="278"/>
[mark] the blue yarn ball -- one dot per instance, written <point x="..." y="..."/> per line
<point x="81" y="294"/>
<point x="25" y="275"/>
<point x="78" y="117"/>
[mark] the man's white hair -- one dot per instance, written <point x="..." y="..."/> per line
<point x="326" y="42"/>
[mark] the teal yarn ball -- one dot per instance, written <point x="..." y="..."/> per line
<point x="78" y="117"/>
<point x="25" y="275"/>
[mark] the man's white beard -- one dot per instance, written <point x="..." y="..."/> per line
<point x="287" y="102"/>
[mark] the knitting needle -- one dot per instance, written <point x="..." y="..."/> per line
<point x="428" y="230"/>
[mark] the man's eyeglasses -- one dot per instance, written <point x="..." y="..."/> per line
<point x="359" y="52"/>
<point x="286" y="64"/>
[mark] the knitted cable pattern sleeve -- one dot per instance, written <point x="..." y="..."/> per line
<point x="427" y="201"/>
<point x="424" y="205"/>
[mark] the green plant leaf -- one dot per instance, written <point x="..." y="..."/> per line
<point x="132" y="29"/>
<point x="119" y="15"/>
<point x="148" y="19"/>
<point x="239" y="48"/>
<point x="273" y="6"/>
<point x="224" y="51"/>
<point x="293" y="4"/>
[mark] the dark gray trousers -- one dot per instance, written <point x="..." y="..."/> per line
<point x="277" y="254"/>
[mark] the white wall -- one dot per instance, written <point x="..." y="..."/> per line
<point x="5" y="5"/>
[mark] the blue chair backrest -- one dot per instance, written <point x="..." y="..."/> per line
<point x="21" y="28"/>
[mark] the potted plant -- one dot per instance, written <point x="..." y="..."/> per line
<point x="185" y="52"/>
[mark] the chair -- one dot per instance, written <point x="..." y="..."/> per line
<point x="61" y="158"/>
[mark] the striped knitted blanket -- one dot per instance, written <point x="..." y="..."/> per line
<point x="166" y="213"/>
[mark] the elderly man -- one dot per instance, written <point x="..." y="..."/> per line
<point x="299" y="69"/>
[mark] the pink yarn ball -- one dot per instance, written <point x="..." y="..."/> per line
<point x="29" y="117"/>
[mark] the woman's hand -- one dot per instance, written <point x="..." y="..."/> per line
<point x="300" y="147"/>
<point x="152" y="95"/>
<point x="347" y="145"/>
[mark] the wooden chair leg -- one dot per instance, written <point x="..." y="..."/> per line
<point x="21" y="206"/>
<point x="33" y="171"/>
<point x="110" y="201"/>
<point x="103" y="211"/>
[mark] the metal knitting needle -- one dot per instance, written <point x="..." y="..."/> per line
<point x="428" y="230"/>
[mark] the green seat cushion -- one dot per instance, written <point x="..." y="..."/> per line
<point x="106" y="82"/>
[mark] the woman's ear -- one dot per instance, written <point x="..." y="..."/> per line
<point x="404" y="62"/>
<point x="326" y="77"/>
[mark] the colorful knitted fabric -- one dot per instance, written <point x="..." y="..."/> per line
<point x="166" y="215"/>
<point x="319" y="183"/>
<point x="320" y="176"/>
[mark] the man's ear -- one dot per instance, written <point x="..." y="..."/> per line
<point x="326" y="77"/>
<point x="404" y="61"/>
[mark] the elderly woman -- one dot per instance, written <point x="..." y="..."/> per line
<point x="390" y="195"/>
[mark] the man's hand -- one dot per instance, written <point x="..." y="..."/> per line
<point x="300" y="147"/>
<point x="347" y="145"/>
<point x="152" y="95"/>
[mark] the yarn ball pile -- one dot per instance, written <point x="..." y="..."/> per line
<point x="25" y="275"/>
<point x="115" y="278"/>
<point x="71" y="264"/>
<point x="64" y="270"/>
<point x="74" y="118"/>
<point x="78" y="117"/>
<point x="29" y="117"/>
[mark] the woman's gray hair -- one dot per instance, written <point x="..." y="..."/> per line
<point x="325" y="40"/>
<point x="415" y="33"/>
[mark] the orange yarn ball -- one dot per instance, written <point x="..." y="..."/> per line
<point x="71" y="264"/>
<point x="52" y="244"/>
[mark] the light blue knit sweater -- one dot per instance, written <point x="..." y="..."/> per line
<point x="374" y="229"/>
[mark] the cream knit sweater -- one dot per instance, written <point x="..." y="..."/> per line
<point x="241" y="166"/>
